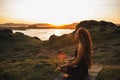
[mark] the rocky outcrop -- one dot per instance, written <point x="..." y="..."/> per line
<point x="89" y="24"/>
<point x="53" y="37"/>
<point x="19" y="34"/>
<point x="37" y="38"/>
<point x="5" y="33"/>
<point x="60" y="41"/>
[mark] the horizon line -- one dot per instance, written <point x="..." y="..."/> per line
<point x="32" y="23"/>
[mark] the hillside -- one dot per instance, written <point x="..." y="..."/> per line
<point x="27" y="58"/>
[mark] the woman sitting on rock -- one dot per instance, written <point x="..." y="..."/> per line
<point x="77" y="68"/>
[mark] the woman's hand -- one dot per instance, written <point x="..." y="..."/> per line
<point x="70" y="59"/>
<point x="66" y="59"/>
<point x="61" y="68"/>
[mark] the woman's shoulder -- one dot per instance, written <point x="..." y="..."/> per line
<point x="80" y="47"/>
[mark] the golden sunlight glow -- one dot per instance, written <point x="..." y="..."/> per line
<point x="58" y="11"/>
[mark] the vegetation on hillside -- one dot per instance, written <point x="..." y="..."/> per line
<point x="28" y="58"/>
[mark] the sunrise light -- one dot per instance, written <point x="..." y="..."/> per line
<point x="58" y="12"/>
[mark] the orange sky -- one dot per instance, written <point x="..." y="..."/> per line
<point x="58" y="11"/>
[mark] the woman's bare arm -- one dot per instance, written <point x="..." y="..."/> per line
<point x="74" y="62"/>
<point x="70" y="59"/>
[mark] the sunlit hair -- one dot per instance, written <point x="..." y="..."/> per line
<point x="84" y="37"/>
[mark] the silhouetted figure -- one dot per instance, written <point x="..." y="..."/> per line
<point x="76" y="68"/>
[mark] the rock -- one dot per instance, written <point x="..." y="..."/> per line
<point x="89" y="24"/>
<point x="37" y="38"/>
<point x="93" y="73"/>
<point x="5" y="33"/>
<point x="110" y="24"/>
<point x="53" y="37"/>
<point x="19" y="34"/>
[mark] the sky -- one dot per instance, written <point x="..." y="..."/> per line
<point x="58" y="11"/>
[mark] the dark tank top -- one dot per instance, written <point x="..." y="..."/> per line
<point x="81" y="70"/>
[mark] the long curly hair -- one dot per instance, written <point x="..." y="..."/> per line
<point x="84" y="37"/>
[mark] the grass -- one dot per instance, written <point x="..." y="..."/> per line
<point x="109" y="73"/>
<point x="29" y="69"/>
<point x="26" y="58"/>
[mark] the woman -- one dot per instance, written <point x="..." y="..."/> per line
<point x="77" y="68"/>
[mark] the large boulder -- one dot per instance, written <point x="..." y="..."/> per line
<point x="56" y="42"/>
<point x="89" y="24"/>
<point x="53" y="37"/>
<point x="5" y="33"/>
<point x="19" y="34"/>
<point x="108" y="24"/>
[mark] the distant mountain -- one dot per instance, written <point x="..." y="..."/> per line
<point x="43" y="25"/>
<point x="25" y="25"/>
<point x="14" y="25"/>
<point x="46" y="25"/>
<point x="69" y="26"/>
<point x="86" y="24"/>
